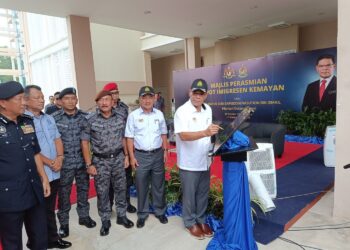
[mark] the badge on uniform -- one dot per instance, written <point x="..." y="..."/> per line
<point x="2" y="130"/>
<point x="194" y="119"/>
<point x="156" y="121"/>
<point x="140" y="120"/>
<point x="27" y="129"/>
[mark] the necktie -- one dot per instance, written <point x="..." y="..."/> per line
<point x="322" y="88"/>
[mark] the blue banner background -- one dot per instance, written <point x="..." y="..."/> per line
<point x="277" y="82"/>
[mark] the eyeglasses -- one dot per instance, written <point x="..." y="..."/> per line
<point x="325" y="66"/>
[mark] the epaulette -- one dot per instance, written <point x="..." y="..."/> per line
<point x="90" y="115"/>
<point x="122" y="104"/>
<point x="57" y="113"/>
<point x="27" y="116"/>
<point x="2" y="119"/>
<point x="83" y="112"/>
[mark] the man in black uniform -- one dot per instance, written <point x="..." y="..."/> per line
<point x="22" y="191"/>
<point x="124" y="110"/>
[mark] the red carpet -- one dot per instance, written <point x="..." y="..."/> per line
<point x="292" y="152"/>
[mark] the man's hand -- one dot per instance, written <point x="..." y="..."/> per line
<point x="213" y="129"/>
<point x="126" y="162"/>
<point x="133" y="162"/>
<point x="56" y="164"/>
<point x="46" y="187"/>
<point x="165" y="156"/>
<point x="92" y="170"/>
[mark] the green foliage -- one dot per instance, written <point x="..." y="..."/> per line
<point x="172" y="184"/>
<point x="215" y="199"/>
<point x="307" y="123"/>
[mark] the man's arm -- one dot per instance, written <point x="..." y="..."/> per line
<point x="125" y="150"/>
<point x="130" y="145"/>
<point x="85" y="147"/>
<point x="212" y="129"/>
<point x="45" y="181"/>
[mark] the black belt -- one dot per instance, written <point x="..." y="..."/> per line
<point x="108" y="155"/>
<point x="148" y="151"/>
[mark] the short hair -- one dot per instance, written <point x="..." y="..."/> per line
<point x="29" y="87"/>
<point x="325" y="56"/>
<point x="57" y="93"/>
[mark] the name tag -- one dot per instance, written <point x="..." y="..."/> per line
<point x="27" y="129"/>
<point x="140" y="120"/>
<point x="156" y="121"/>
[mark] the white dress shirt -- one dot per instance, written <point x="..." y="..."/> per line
<point x="146" y="129"/>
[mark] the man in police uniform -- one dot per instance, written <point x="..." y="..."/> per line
<point x="21" y="190"/>
<point x="105" y="132"/>
<point x="193" y="128"/>
<point x="118" y="104"/>
<point x="146" y="134"/>
<point x="51" y="154"/>
<point x="70" y="122"/>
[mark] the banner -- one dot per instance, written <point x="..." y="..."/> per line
<point x="269" y="84"/>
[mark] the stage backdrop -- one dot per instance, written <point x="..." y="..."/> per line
<point x="268" y="84"/>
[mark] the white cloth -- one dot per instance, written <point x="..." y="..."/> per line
<point x="192" y="155"/>
<point x="146" y="129"/>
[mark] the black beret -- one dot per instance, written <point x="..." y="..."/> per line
<point x="10" y="89"/>
<point x="67" y="91"/>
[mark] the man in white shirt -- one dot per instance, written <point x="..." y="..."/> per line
<point x="193" y="129"/>
<point x="146" y="134"/>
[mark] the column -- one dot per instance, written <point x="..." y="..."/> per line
<point x="342" y="176"/>
<point x="192" y="53"/>
<point x="79" y="38"/>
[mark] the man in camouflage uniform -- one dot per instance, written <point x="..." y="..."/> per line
<point x="70" y="122"/>
<point x="118" y="104"/>
<point x="104" y="131"/>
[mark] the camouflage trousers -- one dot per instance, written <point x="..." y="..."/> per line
<point x="82" y="181"/>
<point x="110" y="172"/>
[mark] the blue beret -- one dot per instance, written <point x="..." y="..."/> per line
<point x="67" y="91"/>
<point x="10" y="89"/>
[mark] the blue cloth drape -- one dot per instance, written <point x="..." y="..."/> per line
<point x="237" y="233"/>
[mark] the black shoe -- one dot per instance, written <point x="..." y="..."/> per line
<point x="162" y="218"/>
<point x="131" y="209"/>
<point x="61" y="244"/>
<point x="105" y="228"/>
<point x="125" y="222"/>
<point x="140" y="222"/>
<point x="88" y="222"/>
<point x="64" y="231"/>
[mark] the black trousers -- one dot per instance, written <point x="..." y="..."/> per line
<point x="11" y="224"/>
<point x="50" y="211"/>
<point x="129" y="183"/>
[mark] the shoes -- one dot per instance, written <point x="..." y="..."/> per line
<point x="140" y="222"/>
<point x="64" y="231"/>
<point x="125" y="222"/>
<point x="196" y="232"/>
<point x="207" y="232"/>
<point x="162" y="218"/>
<point x="131" y="209"/>
<point x="60" y="244"/>
<point x="88" y="222"/>
<point x="106" y="225"/>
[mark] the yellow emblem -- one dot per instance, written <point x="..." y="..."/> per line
<point x="229" y="73"/>
<point x="199" y="84"/>
<point x="147" y="89"/>
<point x="243" y="71"/>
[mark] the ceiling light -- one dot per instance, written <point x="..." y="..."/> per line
<point x="279" y="25"/>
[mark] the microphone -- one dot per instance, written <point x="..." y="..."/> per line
<point x="347" y="166"/>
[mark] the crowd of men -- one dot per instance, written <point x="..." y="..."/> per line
<point x="41" y="154"/>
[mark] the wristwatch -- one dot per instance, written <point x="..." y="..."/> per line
<point x="88" y="165"/>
